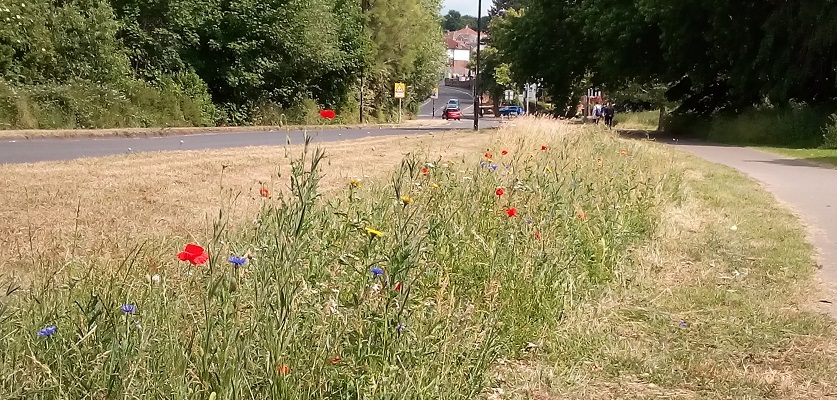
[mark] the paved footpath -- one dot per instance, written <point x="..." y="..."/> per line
<point x="811" y="190"/>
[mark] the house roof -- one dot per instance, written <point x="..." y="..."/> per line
<point x="452" y="44"/>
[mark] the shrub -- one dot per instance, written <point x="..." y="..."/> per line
<point x="829" y="137"/>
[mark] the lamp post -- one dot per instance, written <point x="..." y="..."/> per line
<point x="477" y="96"/>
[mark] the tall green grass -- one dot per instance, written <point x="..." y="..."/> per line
<point x="645" y="120"/>
<point x="462" y="284"/>
<point x="795" y="126"/>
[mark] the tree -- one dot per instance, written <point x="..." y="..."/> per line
<point x="452" y="21"/>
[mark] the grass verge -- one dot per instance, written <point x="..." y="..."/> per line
<point x="603" y="269"/>
<point x="645" y="120"/>
<point x="817" y="156"/>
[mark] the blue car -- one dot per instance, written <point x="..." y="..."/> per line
<point x="508" y="111"/>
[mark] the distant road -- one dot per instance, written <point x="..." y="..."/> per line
<point x="466" y="103"/>
<point x="16" y="151"/>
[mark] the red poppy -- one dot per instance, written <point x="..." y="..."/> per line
<point x="398" y="287"/>
<point x="544" y="148"/>
<point x="328" y="114"/>
<point x="499" y="192"/>
<point x="284" y="369"/>
<point x="425" y="171"/>
<point x="511" y="212"/>
<point x="194" y="254"/>
<point x="264" y="192"/>
<point x="504" y="152"/>
<point x="489" y="155"/>
<point x="334" y="360"/>
<point x="538" y="235"/>
<point x="582" y="215"/>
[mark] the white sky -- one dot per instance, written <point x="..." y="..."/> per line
<point x="466" y="7"/>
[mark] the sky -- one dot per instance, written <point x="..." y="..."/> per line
<point x="466" y="7"/>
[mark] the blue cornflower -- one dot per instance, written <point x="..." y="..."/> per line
<point x="529" y="220"/>
<point x="683" y="324"/>
<point x="483" y="164"/>
<point x="493" y="167"/>
<point x="400" y="327"/>
<point x="237" y="261"/>
<point x="377" y="271"/>
<point x="128" y="308"/>
<point x="47" y="331"/>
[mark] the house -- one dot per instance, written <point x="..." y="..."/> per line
<point x="460" y="44"/>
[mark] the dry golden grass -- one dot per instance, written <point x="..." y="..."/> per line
<point x="105" y="206"/>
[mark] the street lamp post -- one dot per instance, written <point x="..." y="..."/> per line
<point x="477" y="96"/>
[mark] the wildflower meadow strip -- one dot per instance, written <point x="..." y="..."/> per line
<point x="408" y="290"/>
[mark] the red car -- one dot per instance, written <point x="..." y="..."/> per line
<point x="452" y="113"/>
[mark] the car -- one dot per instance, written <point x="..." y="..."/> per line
<point x="452" y="112"/>
<point x="508" y="111"/>
<point x="453" y="102"/>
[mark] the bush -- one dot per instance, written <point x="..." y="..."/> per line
<point x="829" y="137"/>
<point x="796" y="125"/>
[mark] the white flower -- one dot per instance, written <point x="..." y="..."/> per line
<point x="376" y="288"/>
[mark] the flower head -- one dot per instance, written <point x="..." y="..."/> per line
<point x="623" y="152"/>
<point x="544" y="148"/>
<point x="683" y="324"/>
<point x="284" y="369"/>
<point x="195" y="254"/>
<point x="264" y="192"/>
<point x="511" y="212"/>
<point x="425" y="171"/>
<point x="493" y="167"/>
<point x="400" y="327"/>
<point x="376" y="271"/>
<point x="47" y="331"/>
<point x="237" y="261"/>
<point x="582" y="215"/>
<point x="335" y="360"/>
<point x="406" y="200"/>
<point x="488" y="155"/>
<point x="499" y="192"/>
<point x="483" y="164"/>
<point x="504" y="152"/>
<point x="374" y="233"/>
<point x="128" y="308"/>
<point x="538" y="235"/>
<point x="398" y="286"/>
<point x="354" y="183"/>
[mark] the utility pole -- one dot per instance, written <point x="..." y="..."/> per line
<point x="477" y="96"/>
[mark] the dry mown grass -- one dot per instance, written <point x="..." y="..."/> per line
<point x="106" y="206"/>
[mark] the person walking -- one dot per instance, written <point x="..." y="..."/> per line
<point x="609" y="114"/>
<point x="597" y="112"/>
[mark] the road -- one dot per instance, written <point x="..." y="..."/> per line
<point x="36" y="150"/>
<point x="808" y="188"/>
<point x="466" y="102"/>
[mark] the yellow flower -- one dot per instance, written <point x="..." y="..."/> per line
<point x="354" y="183"/>
<point x="374" y="233"/>
<point x="406" y="200"/>
<point x="435" y="186"/>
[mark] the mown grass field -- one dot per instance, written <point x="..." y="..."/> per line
<point x="542" y="261"/>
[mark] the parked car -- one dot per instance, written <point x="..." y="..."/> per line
<point x="453" y="102"/>
<point x="452" y="112"/>
<point x="508" y="111"/>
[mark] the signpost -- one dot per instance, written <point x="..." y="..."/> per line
<point x="400" y="91"/>
<point x="433" y="98"/>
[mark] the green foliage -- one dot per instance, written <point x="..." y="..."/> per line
<point x="454" y="21"/>
<point x="712" y="56"/>
<point x="258" y="61"/>
<point x="792" y="126"/>
<point x="829" y="136"/>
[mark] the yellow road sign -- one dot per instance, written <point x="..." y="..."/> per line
<point x="400" y="90"/>
<point x="435" y="94"/>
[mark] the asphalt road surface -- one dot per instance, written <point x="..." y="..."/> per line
<point x="466" y="103"/>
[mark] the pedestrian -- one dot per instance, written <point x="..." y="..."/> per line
<point x="609" y="114"/>
<point x="597" y="112"/>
